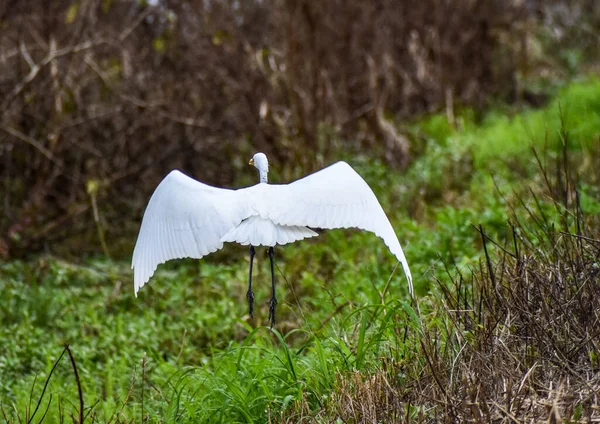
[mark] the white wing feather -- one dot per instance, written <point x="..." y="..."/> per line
<point x="334" y="197"/>
<point x="184" y="218"/>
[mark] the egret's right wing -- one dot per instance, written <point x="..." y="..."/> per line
<point x="334" y="197"/>
<point x="184" y="219"/>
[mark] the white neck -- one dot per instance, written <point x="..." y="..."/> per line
<point x="263" y="175"/>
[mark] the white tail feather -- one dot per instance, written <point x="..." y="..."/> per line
<point x="258" y="231"/>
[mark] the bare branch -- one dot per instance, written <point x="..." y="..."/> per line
<point x="31" y="141"/>
<point x="36" y="68"/>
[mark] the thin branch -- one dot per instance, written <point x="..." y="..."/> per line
<point x="143" y="381"/>
<point x="47" y="409"/>
<point x="26" y="55"/>
<point x="188" y="121"/>
<point x="332" y="314"/>
<point x="91" y="409"/>
<point x="94" y="67"/>
<point x="31" y="141"/>
<point x="126" y="397"/>
<point x="127" y="31"/>
<point x="4" y="414"/>
<point x="37" y="67"/>
<point x="182" y="345"/>
<point x="191" y="122"/>
<point x="81" y="408"/>
<point x="46" y="386"/>
<point x="28" y="409"/>
<point x="387" y="285"/>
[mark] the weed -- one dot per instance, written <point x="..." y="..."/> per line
<point x="504" y="246"/>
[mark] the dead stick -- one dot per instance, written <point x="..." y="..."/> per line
<point x="81" y="417"/>
<point x="46" y="386"/>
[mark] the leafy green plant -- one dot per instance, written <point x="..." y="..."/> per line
<point x="350" y="345"/>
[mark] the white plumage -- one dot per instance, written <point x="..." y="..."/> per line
<point x="186" y="218"/>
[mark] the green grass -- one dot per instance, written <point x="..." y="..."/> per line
<point x="201" y="355"/>
<point x="186" y="351"/>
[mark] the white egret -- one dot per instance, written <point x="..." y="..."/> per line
<point x="186" y="218"/>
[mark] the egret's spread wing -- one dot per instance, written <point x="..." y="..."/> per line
<point x="184" y="219"/>
<point x="335" y="197"/>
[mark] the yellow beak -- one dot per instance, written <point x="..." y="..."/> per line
<point x="251" y="162"/>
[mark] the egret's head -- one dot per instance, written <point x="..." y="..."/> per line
<point x="260" y="161"/>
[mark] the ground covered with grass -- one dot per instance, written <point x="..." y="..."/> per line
<point x="500" y="221"/>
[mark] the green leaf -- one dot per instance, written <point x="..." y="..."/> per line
<point x="71" y="14"/>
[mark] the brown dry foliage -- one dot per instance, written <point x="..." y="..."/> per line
<point x="100" y="98"/>
<point x="516" y="341"/>
<point x="533" y="319"/>
<point x="523" y="346"/>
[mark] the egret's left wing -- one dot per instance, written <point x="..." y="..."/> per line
<point x="184" y="219"/>
<point x="334" y="197"/>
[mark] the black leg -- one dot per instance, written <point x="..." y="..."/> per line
<point x="273" y="302"/>
<point x="249" y="293"/>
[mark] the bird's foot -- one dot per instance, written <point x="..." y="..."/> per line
<point x="272" y="306"/>
<point x="250" y="297"/>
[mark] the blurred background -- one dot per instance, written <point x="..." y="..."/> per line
<point x="476" y="123"/>
<point x="99" y="99"/>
